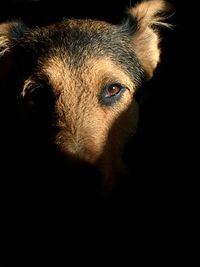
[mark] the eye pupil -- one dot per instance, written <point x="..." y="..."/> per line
<point x="113" y="90"/>
<point x="111" y="93"/>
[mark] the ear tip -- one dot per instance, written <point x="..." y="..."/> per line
<point x="147" y="16"/>
<point x="151" y="12"/>
<point x="157" y="5"/>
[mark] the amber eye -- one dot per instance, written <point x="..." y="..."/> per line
<point x="113" y="90"/>
<point x="111" y="93"/>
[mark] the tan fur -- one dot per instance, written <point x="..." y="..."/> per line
<point x="146" y="39"/>
<point x="84" y="124"/>
<point x="4" y="39"/>
<point x="27" y="84"/>
<point x="3" y="45"/>
<point x="87" y="129"/>
<point x="4" y="48"/>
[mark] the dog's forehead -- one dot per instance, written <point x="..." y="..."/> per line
<point x="95" y="72"/>
<point x="77" y="41"/>
<point x="73" y="35"/>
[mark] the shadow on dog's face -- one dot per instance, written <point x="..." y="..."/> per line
<point x="72" y="85"/>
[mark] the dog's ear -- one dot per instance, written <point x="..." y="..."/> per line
<point x="141" y="23"/>
<point x="10" y="33"/>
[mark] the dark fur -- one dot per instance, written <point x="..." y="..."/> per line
<point x="93" y="41"/>
<point x="32" y="150"/>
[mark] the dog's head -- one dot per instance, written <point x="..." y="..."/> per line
<point x="80" y="77"/>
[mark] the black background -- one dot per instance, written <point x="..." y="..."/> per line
<point x="161" y="144"/>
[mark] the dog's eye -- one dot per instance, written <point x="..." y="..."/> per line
<point x="113" y="90"/>
<point x="40" y="94"/>
<point x="40" y="97"/>
<point x="111" y="93"/>
<point x="35" y="94"/>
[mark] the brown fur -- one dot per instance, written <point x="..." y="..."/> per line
<point x="146" y="39"/>
<point x="76" y="74"/>
<point x="81" y="134"/>
<point x="4" y="47"/>
<point x="4" y="38"/>
<point x="4" y="41"/>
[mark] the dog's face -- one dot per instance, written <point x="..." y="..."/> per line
<point x="81" y="77"/>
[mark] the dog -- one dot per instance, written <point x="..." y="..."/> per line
<point x="68" y="99"/>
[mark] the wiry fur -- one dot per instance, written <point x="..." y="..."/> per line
<point x="59" y="72"/>
<point x="10" y="31"/>
<point x="147" y="15"/>
<point x="4" y="38"/>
